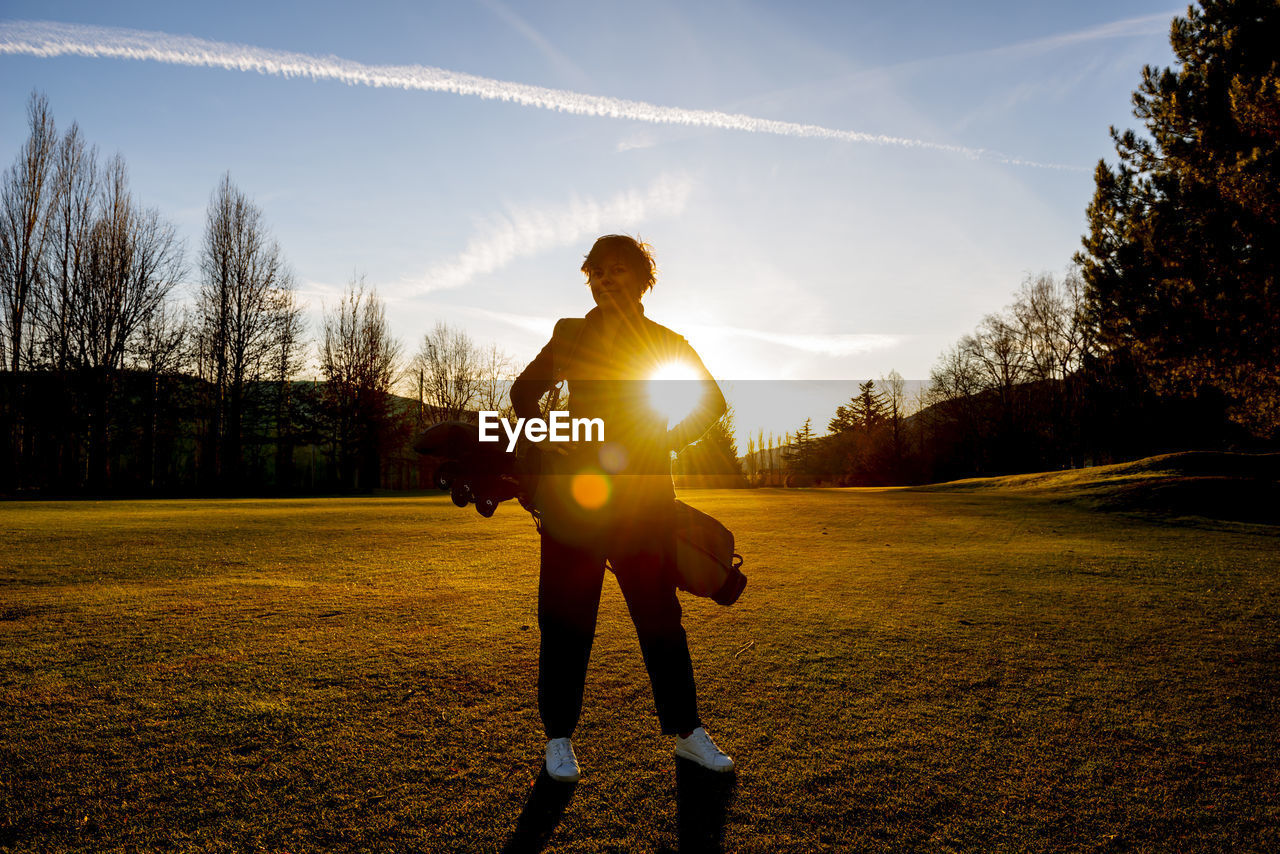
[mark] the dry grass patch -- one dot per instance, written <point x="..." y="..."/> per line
<point x="949" y="670"/>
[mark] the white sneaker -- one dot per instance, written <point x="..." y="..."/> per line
<point x="699" y="748"/>
<point x="562" y="765"/>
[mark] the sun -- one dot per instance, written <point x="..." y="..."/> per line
<point x="674" y="390"/>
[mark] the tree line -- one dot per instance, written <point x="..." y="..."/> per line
<point x="119" y="375"/>
<point x="1163" y="335"/>
<point x="1005" y="397"/>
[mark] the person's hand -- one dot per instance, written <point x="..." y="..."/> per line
<point x="672" y="444"/>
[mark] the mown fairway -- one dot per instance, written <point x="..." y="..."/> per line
<point x="906" y="670"/>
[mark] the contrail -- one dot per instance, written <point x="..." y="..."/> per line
<point x="49" y="39"/>
<point x="524" y="231"/>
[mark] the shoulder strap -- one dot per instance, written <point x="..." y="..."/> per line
<point x="564" y="347"/>
<point x="564" y="341"/>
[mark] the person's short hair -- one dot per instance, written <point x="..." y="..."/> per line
<point x="634" y="253"/>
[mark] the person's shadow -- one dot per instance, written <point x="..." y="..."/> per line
<point x="702" y="803"/>
<point x="540" y="815"/>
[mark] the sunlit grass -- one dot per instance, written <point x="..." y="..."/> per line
<point x="968" y="670"/>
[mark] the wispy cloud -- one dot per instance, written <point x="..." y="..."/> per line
<point x="48" y="39"/>
<point x="838" y="344"/>
<point x="636" y="141"/>
<point x="834" y="345"/>
<point x="1145" y="25"/>
<point x="524" y="231"/>
<point x="518" y="23"/>
<point x="831" y="345"/>
<point x="878" y="75"/>
<point x="539" y="325"/>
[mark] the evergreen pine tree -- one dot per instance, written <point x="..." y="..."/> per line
<point x="799" y="451"/>
<point x="866" y="411"/>
<point x="1183" y="248"/>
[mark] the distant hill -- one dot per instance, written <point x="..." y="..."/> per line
<point x="1209" y="484"/>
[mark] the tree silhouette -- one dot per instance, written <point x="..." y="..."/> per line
<point x="1181" y="258"/>
<point x="713" y="459"/>
<point x="800" y="452"/>
<point x="25" y="199"/>
<point x="360" y="362"/>
<point x="24" y="206"/>
<point x="449" y="370"/>
<point x="242" y="308"/>
<point x="865" y="411"/>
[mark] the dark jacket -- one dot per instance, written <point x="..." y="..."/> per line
<point x="608" y="372"/>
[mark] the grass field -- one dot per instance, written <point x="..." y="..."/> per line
<point x="964" y="669"/>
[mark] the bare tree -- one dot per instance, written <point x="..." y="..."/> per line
<point x="497" y="371"/>
<point x="290" y="354"/>
<point x="85" y="270"/>
<point x="24" y="205"/>
<point x="243" y="296"/>
<point x="893" y="393"/>
<point x="158" y="353"/>
<point x="955" y="377"/>
<point x="287" y="362"/>
<point x="954" y="383"/>
<point x="997" y="352"/>
<point x="1077" y="329"/>
<point x="25" y="198"/>
<point x="360" y="362"/>
<point x="1048" y="314"/>
<point x="73" y="211"/>
<point x="56" y="306"/>
<point x="1020" y="369"/>
<point x="133" y="260"/>
<point x="448" y="369"/>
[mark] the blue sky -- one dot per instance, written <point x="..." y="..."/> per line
<point x="781" y="257"/>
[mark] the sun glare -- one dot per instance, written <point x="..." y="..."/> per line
<point x="674" y="390"/>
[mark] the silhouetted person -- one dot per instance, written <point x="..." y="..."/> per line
<point x="611" y="501"/>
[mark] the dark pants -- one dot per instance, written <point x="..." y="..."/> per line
<point x="568" y="597"/>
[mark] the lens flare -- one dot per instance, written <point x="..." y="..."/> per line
<point x="590" y="489"/>
<point x="613" y="457"/>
